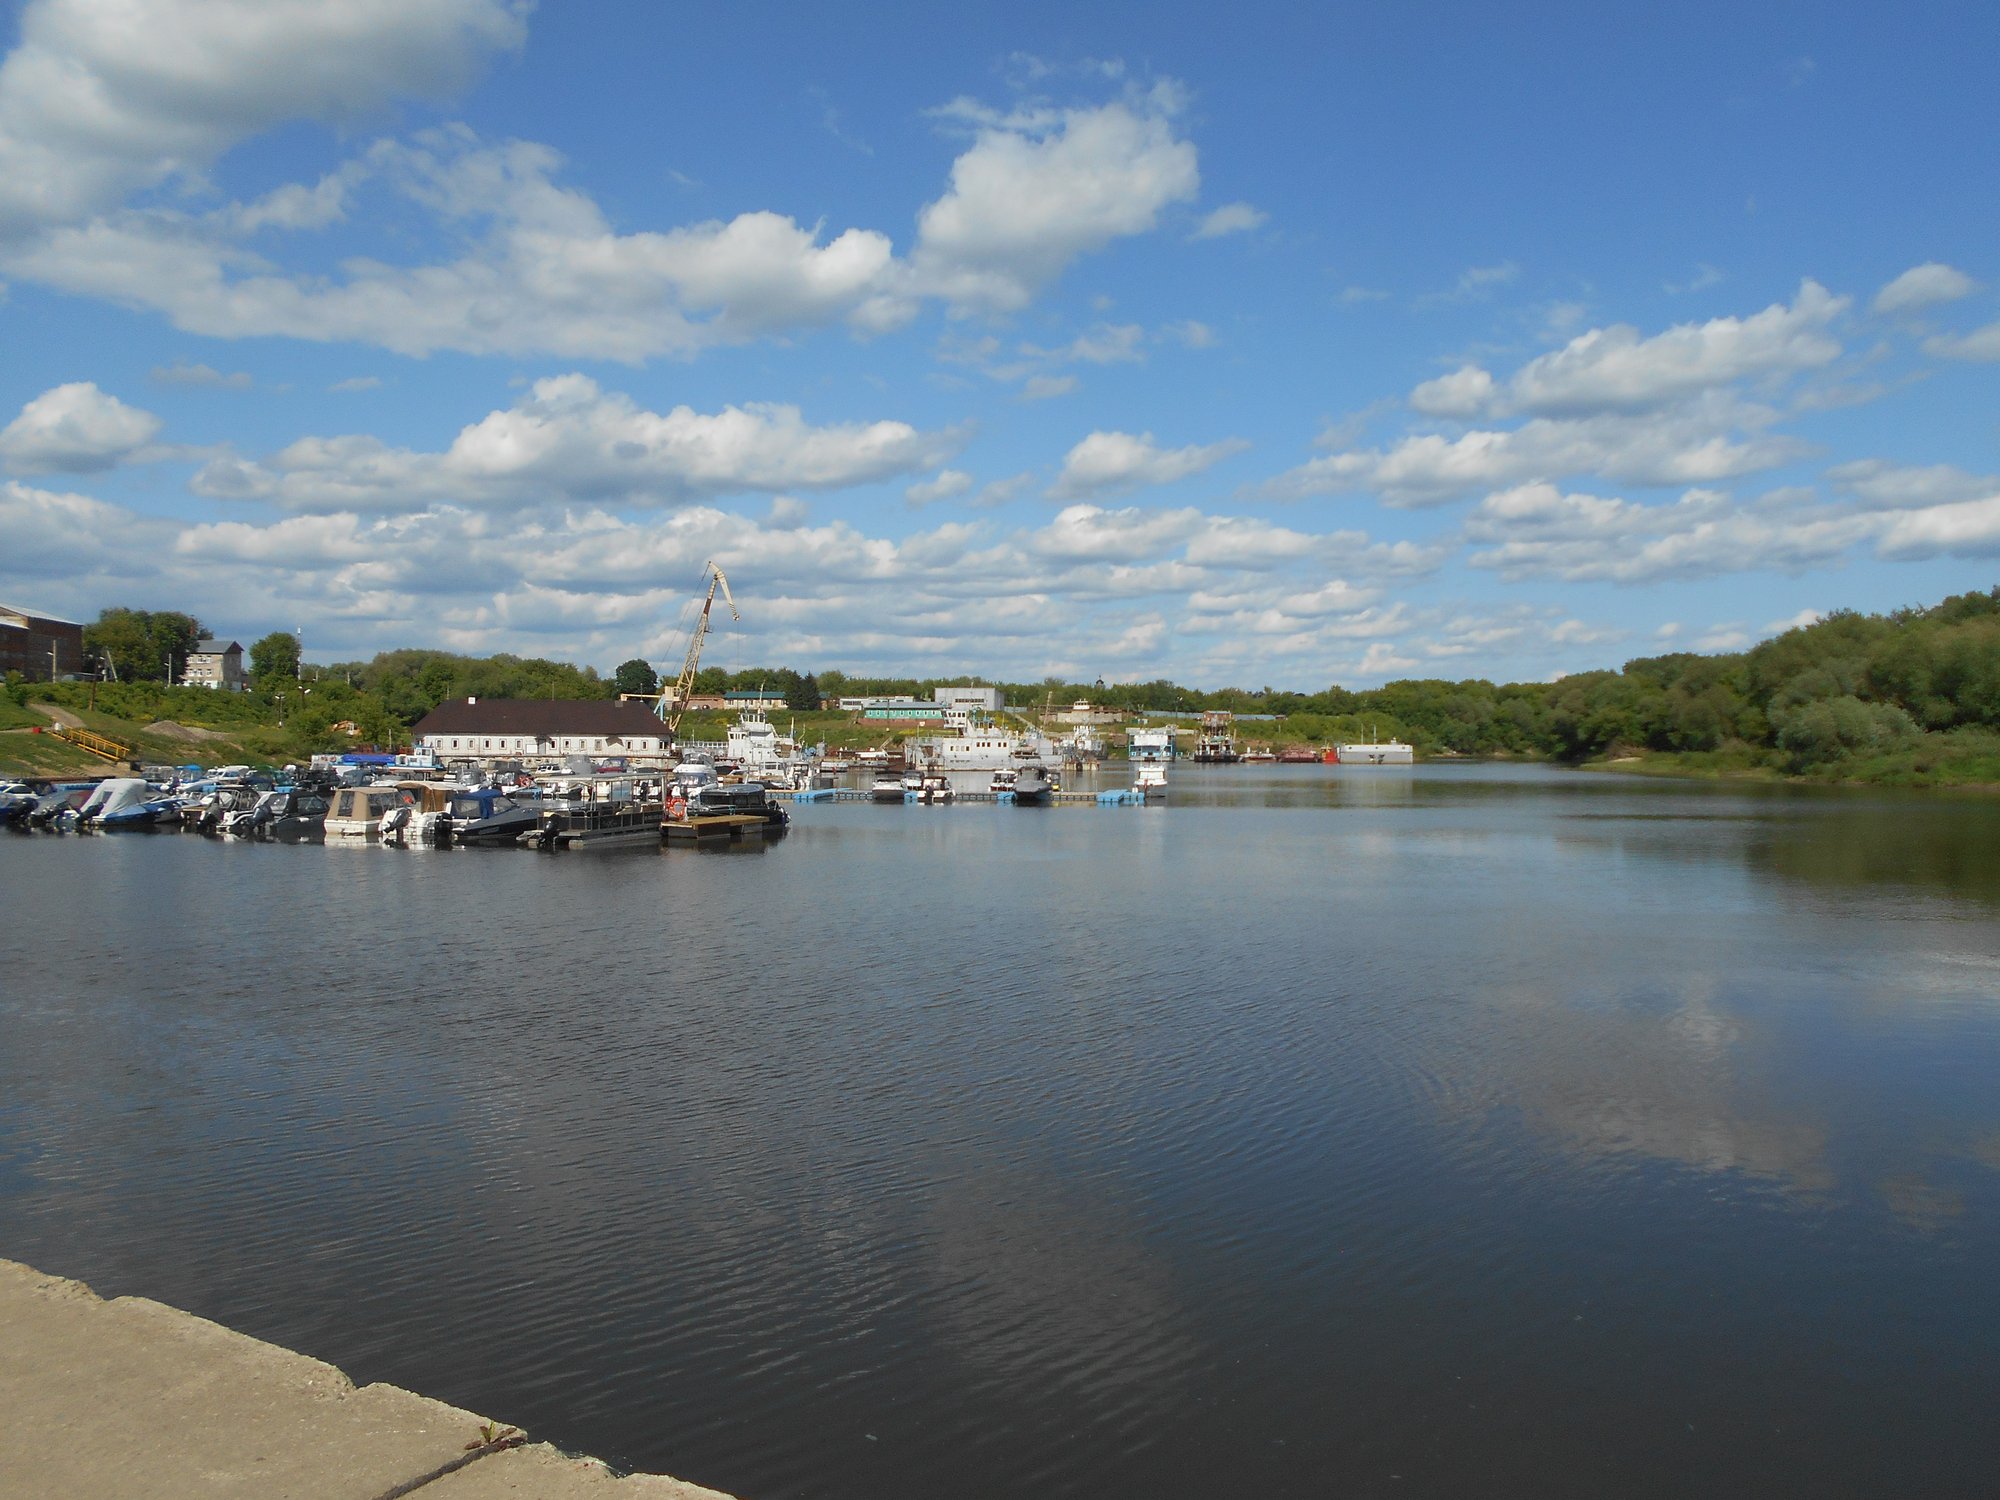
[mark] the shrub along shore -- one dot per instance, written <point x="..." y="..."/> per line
<point x="1907" y="698"/>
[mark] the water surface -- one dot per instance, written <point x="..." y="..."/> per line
<point x="1465" y="1130"/>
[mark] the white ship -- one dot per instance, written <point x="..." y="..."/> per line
<point x="984" y="747"/>
<point x="757" y="750"/>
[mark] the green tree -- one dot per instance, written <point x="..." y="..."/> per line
<point x="275" y="657"/>
<point x="173" y="636"/>
<point x="802" y="694"/>
<point x="137" y="645"/>
<point x="636" y="676"/>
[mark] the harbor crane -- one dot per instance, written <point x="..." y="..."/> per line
<point x="674" y="700"/>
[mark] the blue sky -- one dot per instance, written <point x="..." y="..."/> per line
<point x="1233" y="345"/>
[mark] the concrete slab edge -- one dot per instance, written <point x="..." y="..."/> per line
<point x="537" y="1469"/>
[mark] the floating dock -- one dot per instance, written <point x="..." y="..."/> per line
<point x="718" y="828"/>
<point x="133" y="1400"/>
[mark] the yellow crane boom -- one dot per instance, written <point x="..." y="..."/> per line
<point x="673" y="700"/>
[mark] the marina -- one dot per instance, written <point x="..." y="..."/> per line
<point x="866" y="755"/>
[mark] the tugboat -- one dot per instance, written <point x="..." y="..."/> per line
<point x="1217" y="745"/>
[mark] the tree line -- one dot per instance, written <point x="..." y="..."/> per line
<point x="1843" y="689"/>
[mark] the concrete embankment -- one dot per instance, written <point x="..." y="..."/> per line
<point x="132" y="1400"/>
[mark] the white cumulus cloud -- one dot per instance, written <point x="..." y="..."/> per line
<point x="1231" y="218"/>
<point x="1538" y="531"/>
<point x="1970" y="528"/>
<point x="1980" y="344"/>
<point x="1617" y="369"/>
<point x="1924" y="286"/>
<point x="1041" y="187"/>
<point x="1700" y="443"/>
<point x="568" y="440"/>
<point x="1113" y="462"/>
<point x="106" y="97"/>
<point x="948" y="484"/>
<point x="1881" y="485"/>
<point x="75" y="429"/>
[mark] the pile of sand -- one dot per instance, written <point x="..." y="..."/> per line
<point x="175" y="731"/>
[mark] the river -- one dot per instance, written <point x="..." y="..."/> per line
<point x="1329" y="1131"/>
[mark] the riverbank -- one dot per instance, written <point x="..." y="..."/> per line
<point x="129" y="1399"/>
<point x="1935" y="764"/>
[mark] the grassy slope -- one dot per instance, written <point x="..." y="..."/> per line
<point x="22" y="753"/>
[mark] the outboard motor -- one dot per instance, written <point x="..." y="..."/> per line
<point x="395" y="822"/>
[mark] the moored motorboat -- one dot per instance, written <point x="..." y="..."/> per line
<point x="357" y="812"/>
<point x="596" y="825"/>
<point x="1024" y="781"/>
<point x="488" y="815"/>
<point x="128" y="802"/>
<point x="289" y="815"/>
<point x="17" y="800"/>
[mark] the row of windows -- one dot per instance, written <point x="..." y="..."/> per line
<point x="528" y="744"/>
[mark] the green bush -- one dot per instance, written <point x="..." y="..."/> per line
<point x="1826" y="729"/>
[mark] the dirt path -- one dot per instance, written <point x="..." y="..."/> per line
<point x="62" y="716"/>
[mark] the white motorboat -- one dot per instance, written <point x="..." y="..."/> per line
<point x="1026" y="780"/>
<point x="128" y="802"/>
<point x="887" y="788"/>
<point x="1149" y="780"/>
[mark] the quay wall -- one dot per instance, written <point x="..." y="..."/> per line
<point x="129" y="1399"/>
